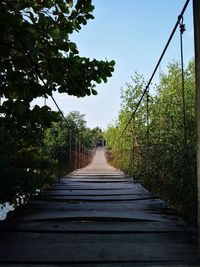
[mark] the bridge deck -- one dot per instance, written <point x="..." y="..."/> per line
<point x="96" y="217"/>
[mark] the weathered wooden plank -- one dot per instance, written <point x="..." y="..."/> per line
<point x="99" y="180"/>
<point x="112" y="252"/>
<point x="92" y="193"/>
<point x="96" y="186"/>
<point x="108" y="185"/>
<point x="93" y="215"/>
<point x="95" y="210"/>
<point x="89" y="187"/>
<point x="95" y="238"/>
<point x="97" y="198"/>
<point x="100" y="175"/>
<point x="99" y="186"/>
<point x="40" y="205"/>
<point x="105" y="264"/>
<point x="95" y="226"/>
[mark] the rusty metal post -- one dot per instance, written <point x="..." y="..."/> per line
<point x="79" y="154"/>
<point x="70" y="150"/>
<point x="196" y="12"/>
<point x="75" y="153"/>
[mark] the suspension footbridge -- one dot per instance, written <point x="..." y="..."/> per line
<point x="97" y="215"/>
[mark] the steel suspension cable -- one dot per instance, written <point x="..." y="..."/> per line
<point x="60" y="111"/>
<point x="157" y="66"/>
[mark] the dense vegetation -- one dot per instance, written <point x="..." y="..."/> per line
<point x="37" y="58"/>
<point x="67" y="148"/>
<point x="153" y="148"/>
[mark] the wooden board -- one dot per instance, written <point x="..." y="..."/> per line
<point x="93" y="216"/>
<point x="96" y="227"/>
<point x="98" y="252"/>
<point x="155" y="205"/>
<point x="105" y="264"/>
<point x="102" y="198"/>
<point x="95" y="238"/>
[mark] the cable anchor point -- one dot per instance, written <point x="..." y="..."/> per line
<point x="181" y="25"/>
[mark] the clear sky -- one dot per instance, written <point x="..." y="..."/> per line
<point x="133" y="33"/>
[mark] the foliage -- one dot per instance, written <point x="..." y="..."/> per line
<point x="37" y="55"/>
<point x="66" y="145"/>
<point x="37" y="58"/>
<point x="152" y="149"/>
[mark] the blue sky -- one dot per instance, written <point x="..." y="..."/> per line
<point x="133" y="33"/>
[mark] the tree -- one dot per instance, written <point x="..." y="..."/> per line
<point x="36" y="59"/>
<point x="155" y="152"/>
<point x="66" y="143"/>
<point x="37" y="56"/>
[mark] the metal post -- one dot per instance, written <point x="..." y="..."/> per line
<point x="84" y="156"/>
<point x="133" y="148"/>
<point x="80" y="147"/>
<point x="70" y="150"/>
<point x="196" y="11"/>
<point x="86" y="161"/>
<point x="147" y="154"/>
<point x="75" y="153"/>
<point x="42" y="162"/>
<point x="147" y="103"/>
<point x="59" y="160"/>
<point x="79" y="155"/>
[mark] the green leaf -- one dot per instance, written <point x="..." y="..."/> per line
<point x="112" y="63"/>
<point x="70" y="3"/>
<point x="88" y="92"/>
<point x="54" y="32"/>
<point x="73" y="48"/>
<point x="94" y="92"/>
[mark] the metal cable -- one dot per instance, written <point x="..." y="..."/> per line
<point x="60" y="111"/>
<point x="156" y="67"/>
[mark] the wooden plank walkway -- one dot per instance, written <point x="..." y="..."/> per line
<point x="96" y="217"/>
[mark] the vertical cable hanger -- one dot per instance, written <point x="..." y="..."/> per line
<point x="75" y="153"/>
<point x="147" y="136"/>
<point x="147" y="110"/>
<point x="182" y="30"/>
<point x="70" y="149"/>
<point x="133" y="148"/>
<point x="42" y="151"/>
<point x="159" y="106"/>
<point x="60" y="152"/>
<point x="45" y="101"/>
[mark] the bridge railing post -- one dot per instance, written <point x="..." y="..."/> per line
<point x="196" y="10"/>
